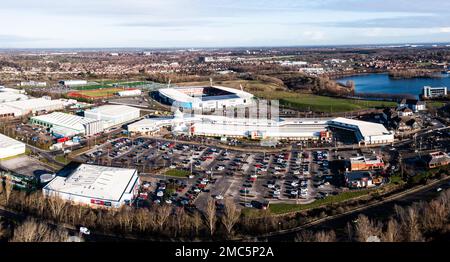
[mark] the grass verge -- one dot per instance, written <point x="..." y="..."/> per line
<point x="177" y="173"/>
<point x="288" y="208"/>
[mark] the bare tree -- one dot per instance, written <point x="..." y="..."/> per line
<point x="7" y="190"/>
<point x="125" y="218"/>
<point x="231" y="215"/>
<point x="162" y="214"/>
<point x="196" y="222"/>
<point x="434" y="215"/>
<point x="325" y="236"/>
<point x="142" y="219"/>
<point x="392" y="233"/>
<point x="180" y="220"/>
<point x="304" y="236"/>
<point x="366" y="228"/>
<point x="321" y="236"/>
<point x="210" y="215"/>
<point x="56" y="206"/>
<point x="33" y="231"/>
<point x="350" y="232"/>
<point x="412" y="225"/>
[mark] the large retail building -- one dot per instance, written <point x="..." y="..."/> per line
<point x="95" y="186"/>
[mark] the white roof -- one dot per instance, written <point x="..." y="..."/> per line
<point x="4" y="109"/>
<point x="65" y="120"/>
<point x="99" y="182"/>
<point x="11" y="96"/>
<point x="35" y="104"/>
<point x="175" y="94"/>
<point x="366" y="129"/>
<point x="112" y="110"/>
<point x="6" y="142"/>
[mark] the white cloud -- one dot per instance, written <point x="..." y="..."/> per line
<point x="314" y="35"/>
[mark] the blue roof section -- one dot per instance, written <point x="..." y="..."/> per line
<point x="223" y="97"/>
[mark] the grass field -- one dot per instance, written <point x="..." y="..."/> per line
<point x="308" y="102"/>
<point x="177" y="173"/>
<point x="437" y="104"/>
<point x="96" y="93"/>
<point x="288" y="208"/>
<point x="110" y="84"/>
<point x="300" y="101"/>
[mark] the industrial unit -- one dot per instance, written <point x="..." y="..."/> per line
<point x="9" y="95"/>
<point x="95" y="186"/>
<point x="10" y="147"/>
<point x="34" y="105"/>
<point x="68" y="125"/>
<point x="112" y="115"/>
<point x="204" y="98"/>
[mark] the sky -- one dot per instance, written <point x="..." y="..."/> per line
<point x="220" y="23"/>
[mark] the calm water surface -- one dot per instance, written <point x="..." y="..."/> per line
<point x="382" y="83"/>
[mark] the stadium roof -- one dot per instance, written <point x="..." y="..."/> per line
<point x="175" y="94"/>
<point x="99" y="182"/>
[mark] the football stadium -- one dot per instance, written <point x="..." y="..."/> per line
<point x="203" y="97"/>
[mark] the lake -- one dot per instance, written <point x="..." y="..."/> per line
<point x="382" y="83"/>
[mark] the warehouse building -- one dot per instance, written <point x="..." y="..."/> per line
<point x="95" y="186"/>
<point x="67" y="125"/>
<point x="9" y="112"/>
<point x="112" y="115"/>
<point x="10" y="147"/>
<point x="35" y="105"/>
<point x="70" y="83"/>
<point x="9" y="96"/>
<point x="33" y="83"/>
<point x="204" y="98"/>
<point x="130" y="92"/>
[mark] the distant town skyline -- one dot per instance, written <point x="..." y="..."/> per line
<point x="226" y="23"/>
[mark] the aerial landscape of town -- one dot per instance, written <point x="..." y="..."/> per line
<point x="242" y="143"/>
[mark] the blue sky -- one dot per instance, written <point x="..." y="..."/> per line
<point x="211" y="23"/>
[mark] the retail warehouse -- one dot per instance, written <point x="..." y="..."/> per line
<point x="282" y="128"/>
<point x="96" y="186"/>
<point x="367" y="133"/>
